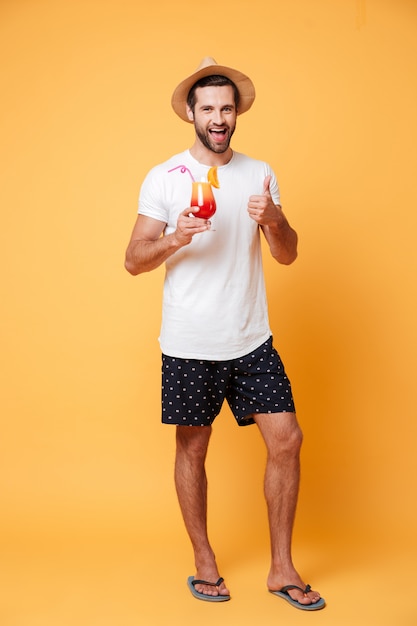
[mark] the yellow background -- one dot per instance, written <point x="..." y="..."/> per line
<point x="90" y="528"/>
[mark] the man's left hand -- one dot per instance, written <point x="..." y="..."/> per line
<point x="262" y="208"/>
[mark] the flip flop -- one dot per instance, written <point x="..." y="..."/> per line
<point x="192" y="582"/>
<point x="283" y="593"/>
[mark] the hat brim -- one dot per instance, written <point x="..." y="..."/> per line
<point x="243" y="83"/>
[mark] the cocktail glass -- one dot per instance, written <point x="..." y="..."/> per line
<point x="202" y="196"/>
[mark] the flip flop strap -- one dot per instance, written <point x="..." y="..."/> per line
<point x="205" y="582"/>
<point x="287" y="588"/>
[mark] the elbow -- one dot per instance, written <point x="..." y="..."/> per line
<point x="286" y="255"/>
<point x="131" y="267"/>
<point x="290" y="252"/>
<point x="288" y="259"/>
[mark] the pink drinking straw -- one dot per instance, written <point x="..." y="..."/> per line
<point x="183" y="170"/>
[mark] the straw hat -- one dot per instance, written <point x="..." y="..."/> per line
<point x="209" y="67"/>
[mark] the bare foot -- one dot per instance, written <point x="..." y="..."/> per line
<point x="305" y="595"/>
<point x="212" y="590"/>
<point x="210" y="574"/>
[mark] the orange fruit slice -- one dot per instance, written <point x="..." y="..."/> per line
<point x="212" y="177"/>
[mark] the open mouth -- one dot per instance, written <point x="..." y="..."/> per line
<point x="218" y="134"/>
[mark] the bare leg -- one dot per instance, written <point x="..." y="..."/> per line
<point x="191" y="485"/>
<point x="283" y="439"/>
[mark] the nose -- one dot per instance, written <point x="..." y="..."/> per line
<point x="218" y="117"/>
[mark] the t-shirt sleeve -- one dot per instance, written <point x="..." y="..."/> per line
<point x="273" y="186"/>
<point x="151" y="202"/>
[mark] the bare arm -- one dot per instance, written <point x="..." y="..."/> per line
<point x="147" y="250"/>
<point x="281" y="238"/>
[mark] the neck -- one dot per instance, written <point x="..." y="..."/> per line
<point x="206" y="157"/>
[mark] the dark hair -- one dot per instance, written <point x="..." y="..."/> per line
<point x="214" y="80"/>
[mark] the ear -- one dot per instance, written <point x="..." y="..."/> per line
<point x="190" y="114"/>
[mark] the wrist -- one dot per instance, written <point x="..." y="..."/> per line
<point x="279" y="222"/>
<point x="176" y="241"/>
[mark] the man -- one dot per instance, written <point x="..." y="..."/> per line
<point x="215" y="336"/>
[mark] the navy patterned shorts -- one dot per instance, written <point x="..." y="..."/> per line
<point x="193" y="391"/>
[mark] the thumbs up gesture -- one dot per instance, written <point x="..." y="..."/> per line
<point x="261" y="208"/>
<point x="267" y="182"/>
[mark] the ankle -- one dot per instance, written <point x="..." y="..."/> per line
<point x="204" y="558"/>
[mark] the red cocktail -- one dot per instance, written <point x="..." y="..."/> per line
<point x="202" y="196"/>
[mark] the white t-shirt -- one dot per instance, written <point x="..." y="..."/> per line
<point x="214" y="302"/>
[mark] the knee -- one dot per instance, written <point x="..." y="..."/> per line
<point x="296" y="438"/>
<point x="193" y="441"/>
<point x="289" y="442"/>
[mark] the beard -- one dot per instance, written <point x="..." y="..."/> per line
<point x="215" y="146"/>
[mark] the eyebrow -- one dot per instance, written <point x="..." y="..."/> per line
<point x="211" y="106"/>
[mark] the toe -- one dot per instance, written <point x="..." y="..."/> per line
<point x="207" y="590"/>
<point x="304" y="599"/>
<point x="314" y="596"/>
<point x="311" y="597"/>
<point x="211" y="590"/>
<point x="222" y="589"/>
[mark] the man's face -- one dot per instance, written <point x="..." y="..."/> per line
<point x="214" y="117"/>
